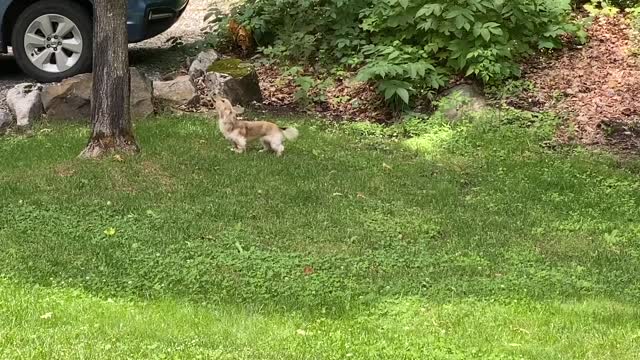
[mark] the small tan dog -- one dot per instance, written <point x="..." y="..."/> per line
<point x="241" y="132"/>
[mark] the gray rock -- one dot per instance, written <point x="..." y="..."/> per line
<point x="71" y="98"/>
<point x="202" y="62"/>
<point x="179" y="91"/>
<point x="141" y="94"/>
<point x="243" y="88"/>
<point x="6" y="119"/>
<point x="25" y="103"/>
<point x="462" y="100"/>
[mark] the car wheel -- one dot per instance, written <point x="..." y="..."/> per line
<point x="52" y="40"/>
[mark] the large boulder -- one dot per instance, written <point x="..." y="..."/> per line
<point x="462" y="100"/>
<point x="25" y="103"/>
<point x="202" y="62"/>
<point x="234" y="80"/>
<point x="71" y="98"/>
<point x="179" y="91"/>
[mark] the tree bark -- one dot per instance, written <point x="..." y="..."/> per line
<point x="110" y="113"/>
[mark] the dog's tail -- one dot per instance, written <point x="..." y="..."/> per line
<point x="290" y="133"/>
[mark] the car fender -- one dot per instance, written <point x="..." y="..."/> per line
<point x="136" y="11"/>
<point x="4" y="5"/>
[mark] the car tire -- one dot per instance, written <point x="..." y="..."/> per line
<point x="44" y="20"/>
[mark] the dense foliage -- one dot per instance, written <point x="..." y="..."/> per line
<point x="409" y="46"/>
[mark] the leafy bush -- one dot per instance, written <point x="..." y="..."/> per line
<point x="620" y="4"/>
<point x="304" y="29"/>
<point x="624" y="4"/>
<point x="409" y="46"/>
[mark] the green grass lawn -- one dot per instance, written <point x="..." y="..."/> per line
<point x="466" y="242"/>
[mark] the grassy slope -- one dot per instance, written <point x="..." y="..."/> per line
<point x="477" y="243"/>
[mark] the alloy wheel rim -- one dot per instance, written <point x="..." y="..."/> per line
<point x="53" y="43"/>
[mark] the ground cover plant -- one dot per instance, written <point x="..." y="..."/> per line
<point x="408" y="47"/>
<point x="420" y="240"/>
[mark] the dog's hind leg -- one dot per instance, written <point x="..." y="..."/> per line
<point x="279" y="150"/>
<point x="266" y="145"/>
<point x="275" y="143"/>
<point x="277" y="147"/>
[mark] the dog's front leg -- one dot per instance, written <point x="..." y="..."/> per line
<point x="239" y="147"/>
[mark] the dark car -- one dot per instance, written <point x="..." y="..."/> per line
<point x="52" y="39"/>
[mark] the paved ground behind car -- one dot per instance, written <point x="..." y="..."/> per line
<point x="11" y="75"/>
<point x="188" y="29"/>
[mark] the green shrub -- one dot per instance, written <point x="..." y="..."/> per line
<point x="304" y="29"/>
<point x="624" y="4"/>
<point x="620" y="4"/>
<point x="409" y="46"/>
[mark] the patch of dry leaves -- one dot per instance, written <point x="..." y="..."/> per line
<point x="598" y="85"/>
<point x="346" y="99"/>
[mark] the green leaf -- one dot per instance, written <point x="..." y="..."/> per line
<point x="403" y="94"/>
<point x="476" y="29"/>
<point x="546" y="44"/>
<point x="426" y="25"/>
<point x="496" y="31"/>
<point x="429" y="9"/>
<point x="485" y="34"/>
<point x="453" y="13"/>
<point x="389" y="92"/>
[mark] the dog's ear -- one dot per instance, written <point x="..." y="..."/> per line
<point x="223" y="101"/>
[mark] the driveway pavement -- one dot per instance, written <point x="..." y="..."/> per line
<point x="10" y="75"/>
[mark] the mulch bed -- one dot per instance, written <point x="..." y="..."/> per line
<point x="597" y="86"/>
<point x="345" y="99"/>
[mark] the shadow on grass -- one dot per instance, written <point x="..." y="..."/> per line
<point x="340" y="223"/>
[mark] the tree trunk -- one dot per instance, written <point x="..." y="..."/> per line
<point x="110" y="112"/>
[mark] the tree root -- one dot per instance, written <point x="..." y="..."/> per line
<point x="99" y="147"/>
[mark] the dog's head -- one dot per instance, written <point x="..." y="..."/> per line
<point x="224" y="107"/>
